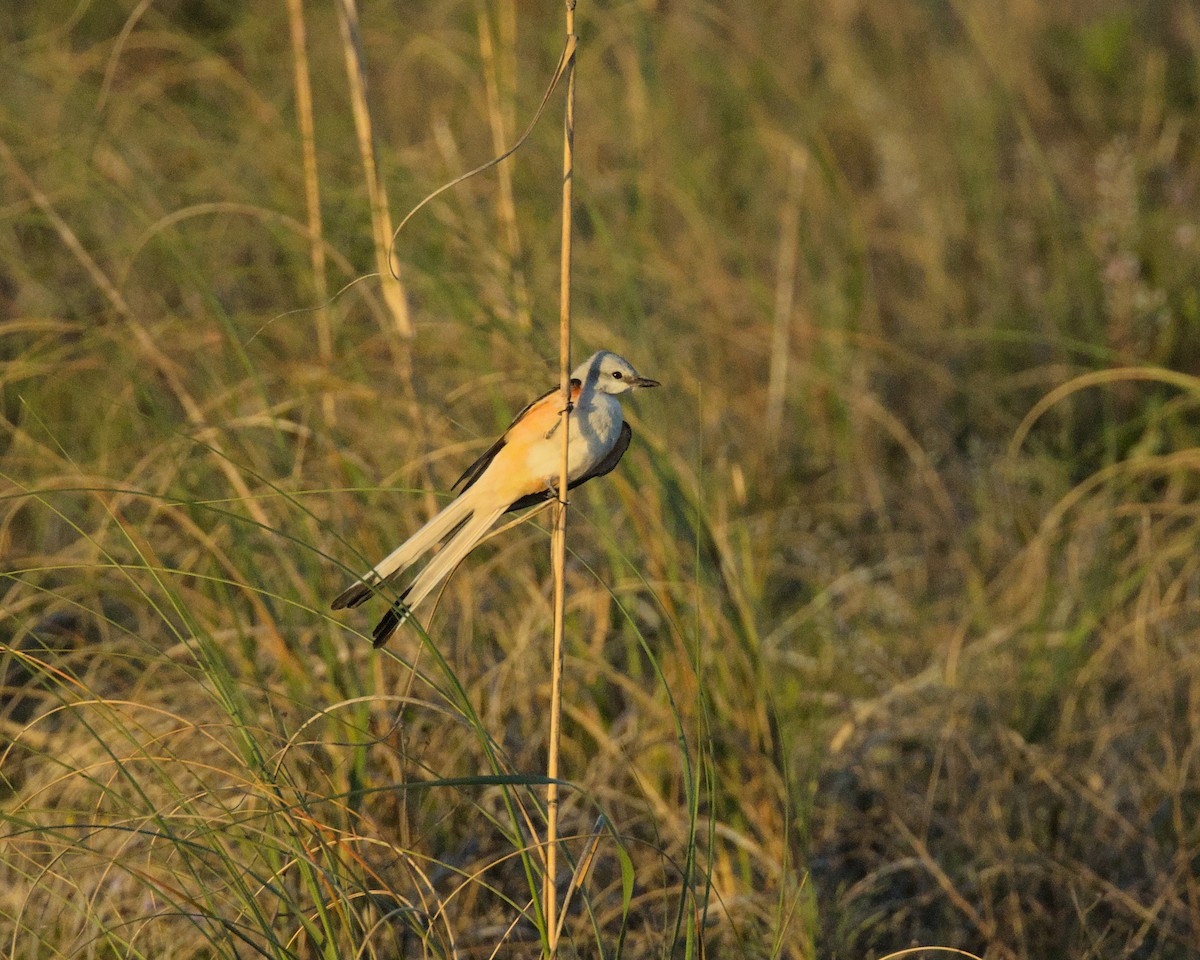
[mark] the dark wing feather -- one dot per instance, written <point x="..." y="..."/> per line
<point x="475" y="470"/>
<point x="606" y="465"/>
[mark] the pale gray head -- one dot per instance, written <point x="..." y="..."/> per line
<point x="612" y="374"/>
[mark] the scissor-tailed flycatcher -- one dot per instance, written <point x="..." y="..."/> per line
<point x="520" y="469"/>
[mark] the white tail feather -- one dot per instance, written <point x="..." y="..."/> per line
<point x="449" y="557"/>
<point x="409" y="551"/>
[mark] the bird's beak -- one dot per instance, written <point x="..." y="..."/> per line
<point x="645" y="382"/>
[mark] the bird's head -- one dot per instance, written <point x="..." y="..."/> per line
<point x="612" y="374"/>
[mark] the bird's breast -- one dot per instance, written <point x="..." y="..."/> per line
<point x="597" y="424"/>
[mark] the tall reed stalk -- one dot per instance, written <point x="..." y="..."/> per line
<point x="558" y="547"/>
<point x="381" y="219"/>
<point x="312" y="191"/>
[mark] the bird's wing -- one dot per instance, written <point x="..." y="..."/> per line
<point x="611" y="459"/>
<point x="540" y="415"/>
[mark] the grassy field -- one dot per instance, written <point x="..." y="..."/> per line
<point x="885" y="633"/>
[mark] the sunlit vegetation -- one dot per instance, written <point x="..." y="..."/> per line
<point x="886" y="631"/>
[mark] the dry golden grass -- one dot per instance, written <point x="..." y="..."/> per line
<point x="884" y="633"/>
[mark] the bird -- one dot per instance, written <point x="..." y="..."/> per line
<point x="521" y="469"/>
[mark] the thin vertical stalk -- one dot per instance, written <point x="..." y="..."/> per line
<point x="312" y="192"/>
<point x="381" y="218"/>
<point x="500" y="125"/>
<point x="785" y="293"/>
<point x="558" y="542"/>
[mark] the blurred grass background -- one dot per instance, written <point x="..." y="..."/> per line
<point x="886" y="630"/>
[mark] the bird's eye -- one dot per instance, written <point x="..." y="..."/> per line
<point x="617" y="374"/>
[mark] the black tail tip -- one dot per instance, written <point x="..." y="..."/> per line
<point x="351" y="597"/>
<point x="389" y="624"/>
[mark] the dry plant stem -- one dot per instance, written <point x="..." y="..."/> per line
<point x="581" y="871"/>
<point x="559" y="539"/>
<point x="381" y="218"/>
<point x="386" y="265"/>
<point x="785" y="294"/>
<point x="312" y="192"/>
<point x="506" y="206"/>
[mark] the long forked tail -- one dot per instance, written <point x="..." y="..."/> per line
<point x="438" y="569"/>
<point x="408" y="552"/>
